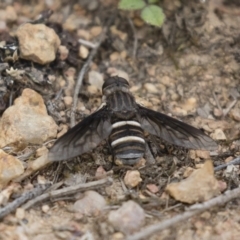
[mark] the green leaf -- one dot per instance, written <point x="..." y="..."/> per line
<point x="131" y="4"/>
<point x="153" y="15"/>
<point x="153" y="1"/>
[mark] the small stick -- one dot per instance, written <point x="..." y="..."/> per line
<point x="217" y="102"/>
<point x="227" y="110"/>
<point x="22" y="199"/>
<point x="69" y="190"/>
<point x="87" y="43"/>
<point x="81" y="75"/>
<point x="235" y="161"/>
<point x="195" y="209"/>
<point x="135" y="43"/>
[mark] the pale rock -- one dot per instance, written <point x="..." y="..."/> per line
<point x="41" y="179"/>
<point x="228" y="159"/>
<point x="26" y="122"/>
<point x="45" y="208"/>
<point x="92" y="204"/>
<point x="34" y="166"/>
<point x="152" y="188"/>
<point x="132" y="178"/>
<point x="117" y="236"/>
<point x="218" y="134"/>
<point x="95" y="31"/>
<point x="114" y="56"/>
<point x="73" y="22"/>
<point x="200" y="186"/>
<point x="10" y="168"/>
<point x="235" y="114"/>
<point x="117" y="72"/>
<point x="83" y="52"/>
<point x="63" y="52"/>
<point x="190" y="105"/>
<point x="100" y="173"/>
<point x="11" y="15"/>
<point x="115" y="191"/>
<point x="37" y="43"/>
<point x="41" y="151"/>
<point x="7" y="192"/>
<point x="217" y="112"/>
<point x="3" y="26"/>
<point x="80" y="106"/>
<point x="95" y="79"/>
<point x="188" y="171"/>
<point x="192" y="154"/>
<point x="129" y="218"/>
<point x="151" y="88"/>
<point x="93" y="90"/>
<point x="70" y="75"/>
<point x="82" y="33"/>
<point x="20" y="213"/>
<point x="64" y="129"/>
<point x="68" y="100"/>
<point x="167" y="81"/>
<point x="122" y="35"/>
<point x="202" y="154"/>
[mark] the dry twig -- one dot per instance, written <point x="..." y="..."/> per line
<point x="22" y="199"/>
<point x="69" y="190"/>
<point x="81" y="75"/>
<point x="135" y="43"/>
<point x="192" y="211"/>
<point x="235" y="161"/>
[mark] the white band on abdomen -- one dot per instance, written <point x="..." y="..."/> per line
<point x="122" y="123"/>
<point x="127" y="139"/>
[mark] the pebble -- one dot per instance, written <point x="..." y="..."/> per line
<point x="114" y="56"/>
<point x="122" y="35"/>
<point x="83" y="52"/>
<point x="96" y="79"/>
<point x="64" y="129"/>
<point x="37" y="43"/>
<point x="70" y="75"/>
<point x="95" y="31"/>
<point x="151" y="88"/>
<point x="92" y="204"/>
<point x="202" y="154"/>
<point x="63" y="51"/>
<point x="129" y="218"/>
<point x="217" y="112"/>
<point x="132" y="178"/>
<point x="74" y="21"/>
<point x="187" y="190"/>
<point x="26" y="122"/>
<point x="117" y="72"/>
<point x="93" y="90"/>
<point x="45" y="208"/>
<point x="11" y="15"/>
<point x="41" y="151"/>
<point x="235" y="114"/>
<point x="20" y="213"/>
<point x="218" y="134"/>
<point x="152" y="188"/>
<point x="82" y="33"/>
<point x="10" y="168"/>
<point x="68" y="100"/>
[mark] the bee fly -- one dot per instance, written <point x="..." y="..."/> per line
<point x="123" y="122"/>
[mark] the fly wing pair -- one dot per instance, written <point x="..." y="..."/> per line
<point x="89" y="133"/>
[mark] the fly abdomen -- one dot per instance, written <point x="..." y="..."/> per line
<point x="127" y="140"/>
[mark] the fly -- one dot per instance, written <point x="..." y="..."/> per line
<point x="123" y="122"/>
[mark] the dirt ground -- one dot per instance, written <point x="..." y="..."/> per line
<point x="189" y="69"/>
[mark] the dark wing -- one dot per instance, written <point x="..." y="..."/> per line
<point x="83" y="137"/>
<point x="174" y="131"/>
